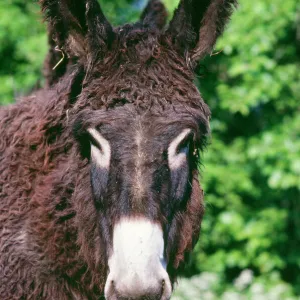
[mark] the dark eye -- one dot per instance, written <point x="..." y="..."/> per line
<point x="95" y="142"/>
<point x="179" y="154"/>
<point x="185" y="145"/>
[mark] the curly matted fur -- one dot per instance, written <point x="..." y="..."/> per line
<point x="53" y="237"/>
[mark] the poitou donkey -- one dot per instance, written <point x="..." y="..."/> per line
<point x="99" y="190"/>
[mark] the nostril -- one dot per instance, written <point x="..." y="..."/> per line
<point x="163" y="283"/>
<point x="110" y="290"/>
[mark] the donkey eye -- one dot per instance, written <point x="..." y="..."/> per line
<point x="178" y="149"/>
<point x="184" y="146"/>
<point x="100" y="149"/>
<point x="94" y="141"/>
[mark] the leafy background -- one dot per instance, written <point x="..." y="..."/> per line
<point x="250" y="243"/>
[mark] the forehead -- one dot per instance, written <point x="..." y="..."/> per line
<point x="141" y="69"/>
<point x="130" y="125"/>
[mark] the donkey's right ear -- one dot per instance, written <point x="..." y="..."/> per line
<point x="79" y="27"/>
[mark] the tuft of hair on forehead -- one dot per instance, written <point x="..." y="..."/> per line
<point x="154" y="15"/>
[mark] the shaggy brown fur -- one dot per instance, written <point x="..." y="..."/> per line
<point x="52" y="241"/>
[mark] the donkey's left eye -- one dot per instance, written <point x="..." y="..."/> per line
<point x="179" y="149"/>
<point x="184" y="146"/>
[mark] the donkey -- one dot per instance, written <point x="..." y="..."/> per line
<point x="99" y="190"/>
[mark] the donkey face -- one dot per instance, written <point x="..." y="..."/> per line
<point x="143" y="124"/>
<point x="145" y="187"/>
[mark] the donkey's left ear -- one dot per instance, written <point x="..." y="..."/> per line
<point x="197" y="24"/>
<point x="79" y="27"/>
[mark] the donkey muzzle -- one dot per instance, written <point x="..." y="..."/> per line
<point x="137" y="265"/>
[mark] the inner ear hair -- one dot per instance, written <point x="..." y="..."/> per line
<point x="79" y="28"/>
<point x="197" y="24"/>
<point x="55" y="64"/>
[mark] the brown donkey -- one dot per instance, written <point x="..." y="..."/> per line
<point x="99" y="191"/>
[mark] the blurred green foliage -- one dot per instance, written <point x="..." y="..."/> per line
<point x="251" y="170"/>
<point x="249" y="248"/>
<point x="23" y="45"/>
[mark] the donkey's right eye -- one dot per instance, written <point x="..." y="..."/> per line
<point x="94" y="142"/>
<point x="100" y="149"/>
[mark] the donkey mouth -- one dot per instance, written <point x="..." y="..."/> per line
<point x="162" y="293"/>
<point x="114" y="295"/>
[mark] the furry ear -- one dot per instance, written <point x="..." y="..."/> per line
<point x="79" y="28"/>
<point x="155" y="14"/>
<point x="197" y="24"/>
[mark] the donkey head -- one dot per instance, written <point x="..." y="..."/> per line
<point x="141" y="123"/>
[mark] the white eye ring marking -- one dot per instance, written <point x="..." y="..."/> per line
<point x="100" y="156"/>
<point x="177" y="159"/>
